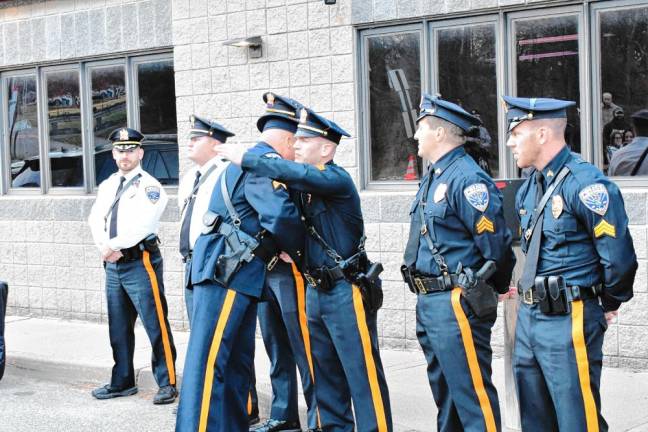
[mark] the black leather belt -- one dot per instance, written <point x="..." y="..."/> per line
<point x="427" y="284"/>
<point x="131" y="254"/>
<point x="316" y="277"/>
<point x="576" y="292"/>
<point x="267" y="251"/>
<point x="187" y="258"/>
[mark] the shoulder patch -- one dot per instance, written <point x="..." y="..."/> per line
<point x="596" y="198"/>
<point x="152" y="193"/>
<point x="477" y="196"/>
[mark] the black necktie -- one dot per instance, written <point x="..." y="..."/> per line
<point x="186" y="222"/>
<point x="533" y="252"/>
<point x="113" y="214"/>
<point x="414" y="240"/>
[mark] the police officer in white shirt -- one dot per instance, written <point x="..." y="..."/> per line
<point x="196" y="188"/>
<point x="124" y="221"/>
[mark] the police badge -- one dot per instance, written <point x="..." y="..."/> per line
<point x="439" y="192"/>
<point x="477" y="196"/>
<point x="557" y="206"/>
<point x="596" y="198"/>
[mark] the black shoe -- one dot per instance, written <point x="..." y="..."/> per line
<point x="107" y="392"/>
<point x="272" y="425"/>
<point x="253" y="417"/>
<point x="165" y="395"/>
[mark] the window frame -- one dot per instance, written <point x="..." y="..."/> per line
<point x="364" y="131"/>
<point x="83" y="68"/>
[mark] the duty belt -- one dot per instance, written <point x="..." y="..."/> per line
<point x="427" y="285"/>
<point x="576" y="292"/>
<point x="315" y="277"/>
<point x="187" y="258"/>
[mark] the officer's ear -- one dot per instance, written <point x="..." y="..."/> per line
<point x="140" y="153"/>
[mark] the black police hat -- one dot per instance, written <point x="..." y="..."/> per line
<point x="203" y="127"/>
<point x="126" y="138"/>
<point x="280" y="113"/>
<point x="448" y="111"/>
<point x="312" y="124"/>
<point x="519" y="109"/>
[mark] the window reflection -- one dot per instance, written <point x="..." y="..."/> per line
<point x="22" y="125"/>
<point x="467" y="77"/>
<point x="157" y="110"/>
<point x="108" y="87"/>
<point x="624" y="80"/>
<point x="394" y="95"/>
<point x="547" y="65"/>
<point x="64" y="121"/>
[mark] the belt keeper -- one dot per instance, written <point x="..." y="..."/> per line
<point x="419" y="284"/>
<point x="447" y="280"/>
<point x="272" y="262"/>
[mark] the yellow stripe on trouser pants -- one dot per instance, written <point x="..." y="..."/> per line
<point x="168" y="356"/>
<point x="473" y="363"/>
<point x="211" y="358"/>
<point x="372" y="374"/>
<point x="249" y="404"/>
<point x="580" y="350"/>
<point x="300" y="287"/>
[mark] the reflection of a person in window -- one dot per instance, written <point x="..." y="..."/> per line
<point x="478" y="143"/>
<point x="607" y="110"/>
<point x="618" y="123"/>
<point x="614" y="143"/>
<point x="630" y="160"/>
<point x="628" y="136"/>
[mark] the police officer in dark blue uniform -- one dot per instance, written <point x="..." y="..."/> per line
<point x="244" y="231"/>
<point x="282" y="317"/>
<point x="344" y="291"/>
<point x="457" y="258"/>
<point x="580" y="266"/>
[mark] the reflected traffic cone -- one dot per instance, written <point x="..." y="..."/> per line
<point x="410" y="173"/>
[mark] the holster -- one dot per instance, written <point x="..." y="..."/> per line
<point x="552" y="295"/>
<point x="408" y="278"/>
<point x="239" y="248"/>
<point x="361" y="272"/>
<point x="150" y="243"/>
<point x="479" y="295"/>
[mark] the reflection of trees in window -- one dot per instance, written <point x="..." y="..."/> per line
<point x="66" y="158"/>
<point x="547" y="64"/>
<point x="22" y="125"/>
<point x="467" y="76"/>
<point x="624" y="57"/>
<point x="157" y="98"/>
<point x="394" y="95"/>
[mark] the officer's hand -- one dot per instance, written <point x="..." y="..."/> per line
<point x="285" y="257"/>
<point x="231" y="152"/>
<point x="511" y="294"/>
<point x="106" y="252"/>
<point x="610" y="316"/>
<point x="114" y="257"/>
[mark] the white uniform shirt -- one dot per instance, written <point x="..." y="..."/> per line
<point x="202" y="196"/>
<point x="140" y="208"/>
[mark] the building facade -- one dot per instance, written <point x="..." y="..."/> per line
<point x="71" y="71"/>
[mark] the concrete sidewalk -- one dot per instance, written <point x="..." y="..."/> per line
<point x="67" y="351"/>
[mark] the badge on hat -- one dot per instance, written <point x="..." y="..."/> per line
<point x="439" y="192"/>
<point x="477" y="196"/>
<point x="596" y="198"/>
<point x="152" y="193"/>
<point x="123" y="135"/>
<point x="192" y="121"/>
<point x="270" y="99"/>
<point x="557" y="206"/>
<point x="303" y="116"/>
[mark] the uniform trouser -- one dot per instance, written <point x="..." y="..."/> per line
<point x="286" y="337"/>
<point x="347" y="363"/>
<point x="457" y="348"/>
<point x="220" y="356"/>
<point x="136" y="288"/>
<point x="253" y="400"/>
<point x="557" y="364"/>
<point x="3" y="309"/>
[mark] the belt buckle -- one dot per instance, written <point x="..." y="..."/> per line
<point x="272" y="262"/>
<point x="310" y="280"/>
<point x="419" y="284"/>
<point x="527" y="296"/>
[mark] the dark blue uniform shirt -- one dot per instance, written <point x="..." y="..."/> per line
<point x="261" y="204"/>
<point x="585" y="229"/>
<point x="463" y="213"/>
<point x="328" y="199"/>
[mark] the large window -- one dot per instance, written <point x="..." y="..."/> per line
<point x="593" y="53"/>
<point x="80" y="105"/>
<point x="394" y="71"/>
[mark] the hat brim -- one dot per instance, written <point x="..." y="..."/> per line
<point x="261" y="122"/>
<point x="123" y="147"/>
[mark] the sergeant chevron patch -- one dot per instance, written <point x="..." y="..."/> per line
<point x="276" y="185"/>
<point x="604" y="228"/>
<point x="484" y="224"/>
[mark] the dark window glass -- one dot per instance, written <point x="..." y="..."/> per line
<point x="108" y="87"/>
<point x="547" y="65"/>
<point x="22" y="125"/>
<point x="157" y="110"/>
<point x="624" y="81"/>
<point x="394" y="95"/>
<point x="467" y="76"/>
<point x="64" y="120"/>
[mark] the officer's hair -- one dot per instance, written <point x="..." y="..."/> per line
<point x="640" y="127"/>
<point x="454" y="132"/>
